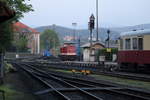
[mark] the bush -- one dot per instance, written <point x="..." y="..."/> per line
<point x="108" y="55"/>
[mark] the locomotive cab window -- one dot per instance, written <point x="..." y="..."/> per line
<point x="127" y="44"/>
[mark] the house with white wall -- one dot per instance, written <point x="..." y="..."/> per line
<point x="90" y="51"/>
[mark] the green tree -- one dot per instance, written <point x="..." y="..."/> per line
<point x="49" y="39"/>
<point x="20" y="7"/>
<point x="21" y="43"/>
<point x="5" y="36"/>
<point x="108" y="55"/>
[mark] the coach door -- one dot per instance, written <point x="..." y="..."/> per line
<point x="140" y="48"/>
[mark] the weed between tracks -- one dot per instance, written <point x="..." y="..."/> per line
<point x="129" y="82"/>
<point x="122" y="81"/>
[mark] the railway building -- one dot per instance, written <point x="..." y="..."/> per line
<point x="32" y="35"/>
<point x="90" y="51"/>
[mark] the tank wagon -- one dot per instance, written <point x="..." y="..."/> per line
<point x="134" y="50"/>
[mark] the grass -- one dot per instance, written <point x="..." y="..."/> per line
<point x="67" y="71"/>
<point x="129" y="82"/>
<point x="64" y="71"/>
<point x="10" y="87"/>
<point x="10" y="93"/>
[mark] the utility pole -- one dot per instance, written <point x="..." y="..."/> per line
<point x="97" y="21"/>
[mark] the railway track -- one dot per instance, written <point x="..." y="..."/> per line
<point x="96" y="70"/>
<point x="71" y="88"/>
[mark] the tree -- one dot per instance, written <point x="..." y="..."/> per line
<point x="20" y="7"/>
<point x="5" y="36"/>
<point x="49" y="39"/>
<point x="21" y="43"/>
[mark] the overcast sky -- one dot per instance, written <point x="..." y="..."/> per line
<point x="112" y="13"/>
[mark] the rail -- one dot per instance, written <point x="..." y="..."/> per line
<point x="85" y="87"/>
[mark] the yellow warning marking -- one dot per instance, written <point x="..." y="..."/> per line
<point x="83" y="71"/>
<point x="73" y="70"/>
<point x="88" y="72"/>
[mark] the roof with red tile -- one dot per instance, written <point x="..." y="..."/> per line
<point x="20" y="27"/>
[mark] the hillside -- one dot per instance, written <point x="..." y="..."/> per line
<point x="84" y="33"/>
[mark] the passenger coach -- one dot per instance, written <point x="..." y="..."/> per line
<point x="134" y="50"/>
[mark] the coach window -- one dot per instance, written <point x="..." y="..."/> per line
<point x="140" y="43"/>
<point x="127" y="44"/>
<point x="121" y="44"/>
<point x="135" y="43"/>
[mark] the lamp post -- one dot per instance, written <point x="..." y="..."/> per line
<point x="109" y="49"/>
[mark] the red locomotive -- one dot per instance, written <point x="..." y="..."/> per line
<point x="68" y="52"/>
<point x="134" y="50"/>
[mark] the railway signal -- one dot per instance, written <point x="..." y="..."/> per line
<point x="92" y="22"/>
<point x="108" y="32"/>
<point x="91" y="25"/>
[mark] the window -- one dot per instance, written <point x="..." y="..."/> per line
<point x="121" y="44"/>
<point x="140" y="43"/>
<point x="135" y="43"/>
<point x="127" y="44"/>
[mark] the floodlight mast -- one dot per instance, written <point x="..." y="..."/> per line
<point x="97" y="26"/>
<point x="74" y="25"/>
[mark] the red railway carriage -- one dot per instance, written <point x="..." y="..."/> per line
<point x="134" y="57"/>
<point x="134" y="49"/>
<point x="68" y="51"/>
